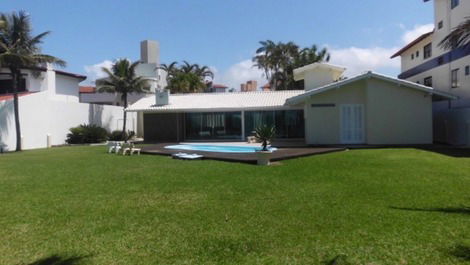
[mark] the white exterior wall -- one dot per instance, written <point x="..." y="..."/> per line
<point x="40" y="115"/>
<point x="66" y="88"/>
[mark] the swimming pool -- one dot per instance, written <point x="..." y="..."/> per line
<point x="217" y="148"/>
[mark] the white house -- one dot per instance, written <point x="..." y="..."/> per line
<point x="148" y="68"/>
<point x="49" y="106"/>
<point x="367" y="109"/>
<point x="423" y="61"/>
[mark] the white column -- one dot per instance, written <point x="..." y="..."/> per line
<point x="243" y="125"/>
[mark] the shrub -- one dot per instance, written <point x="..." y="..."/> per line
<point x="265" y="134"/>
<point x="118" y="136"/>
<point x="86" y="134"/>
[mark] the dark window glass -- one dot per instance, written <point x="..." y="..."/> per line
<point x="213" y="126"/>
<point x="288" y="123"/>
<point x="454" y="3"/>
<point x="428" y="81"/>
<point x="6" y="86"/>
<point x="412" y="56"/>
<point x="455" y="78"/>
<point x="467" y="70"/>
<point x="440" y="25"/>
<point x="427" y="51"/>
<point x="417" y="54"/>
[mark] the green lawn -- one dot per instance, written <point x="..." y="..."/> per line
<point x="79" y="204"/>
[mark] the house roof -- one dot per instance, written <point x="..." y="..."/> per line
<point x="43" y="69"/>
<point x="411" y="44"/>
<point x="300" y="98"/>
<point x="10" y="96"/>
<point x="87" y="89"/>
<point x="256" y="100"/>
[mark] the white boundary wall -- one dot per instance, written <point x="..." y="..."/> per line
<point x="41" y="116"/>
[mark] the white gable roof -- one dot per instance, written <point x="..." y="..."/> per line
<point x="218" y="101"/>
<point x="300" y="98"/>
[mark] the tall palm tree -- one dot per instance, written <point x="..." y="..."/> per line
<point x="19" y="49"/>
<point x="170" y="69"/>
<point x="122" y="79"/>
<point x="458" y="37"/>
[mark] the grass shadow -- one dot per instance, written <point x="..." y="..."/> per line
<point x="59" y="260"/>
<point x="451" y="210"/>
<point x="338" y="260"/>
<point x="461" y="252"/>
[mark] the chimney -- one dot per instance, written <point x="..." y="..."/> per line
<point x="150" y="52"/>
<point x="162" y="97"/>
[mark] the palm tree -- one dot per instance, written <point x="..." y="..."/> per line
<point x="19" y="49"/>
<point x="278" y="61"/>
<point x="458" y="37"/>
<point x="187" y="78"/>
<point x="123" y="80"/>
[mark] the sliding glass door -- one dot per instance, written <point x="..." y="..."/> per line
<point x="288" y="123"/>
<point x="213" y="126"/>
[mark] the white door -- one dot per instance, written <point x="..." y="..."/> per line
<point x="352" y="124"/>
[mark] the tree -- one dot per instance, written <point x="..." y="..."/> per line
<point x="458" y="37"/>
<point x="187" y="78"/>
<point x="19" y="49"/>
<point x="278" y="61"/>
<point x="122" y="79"/>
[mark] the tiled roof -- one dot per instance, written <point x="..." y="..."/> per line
<point x="87" y="89"/>
<point x="10" y="96"/>
<point x="218" y="101"/>
<point x="219" y="86"/>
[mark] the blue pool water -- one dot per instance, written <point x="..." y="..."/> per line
<point x="217" y="148"/>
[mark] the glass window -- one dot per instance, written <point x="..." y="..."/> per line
<point x="440" y="24"/>
<point x="288" y="123"/>
<point x="6" y="84"/>
<point x="412" y="56"/>
<point x="213" y="125"/>
<point x="454" y="3"/>
<point x="455" y="78"/>
<point x="427" y="51"/>
<point x="428" y="81"/>
<point x="467" y="70"/>
<point x="417" y="54"/>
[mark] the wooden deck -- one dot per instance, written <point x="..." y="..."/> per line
<point x="280" y="154"/>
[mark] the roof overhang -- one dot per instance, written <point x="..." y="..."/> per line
<point x="301" y="98"/>
<point x="411" y="44"/>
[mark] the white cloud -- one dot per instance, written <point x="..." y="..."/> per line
<point x="418" y="30"/>
<point x="358" y="60"/>
<point x="95" y="71"/>
<point x="240" y="73"/>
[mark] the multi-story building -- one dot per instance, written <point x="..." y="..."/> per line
<point x="424" y="61"/>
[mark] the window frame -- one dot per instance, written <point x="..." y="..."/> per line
<point x="428" y="81"/>
<point x="454" y="78"/>
<point x="427" y="51"/>
<point x="467" y="70"/>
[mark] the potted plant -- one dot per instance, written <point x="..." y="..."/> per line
<point x="264" y="134"/>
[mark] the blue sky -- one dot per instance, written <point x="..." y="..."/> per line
<point x="224" y="34"/>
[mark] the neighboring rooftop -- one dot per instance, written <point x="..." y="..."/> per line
<point x="411" y="44"/>
<point x="218" y="101"/>
<point x="87" y="89"/>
